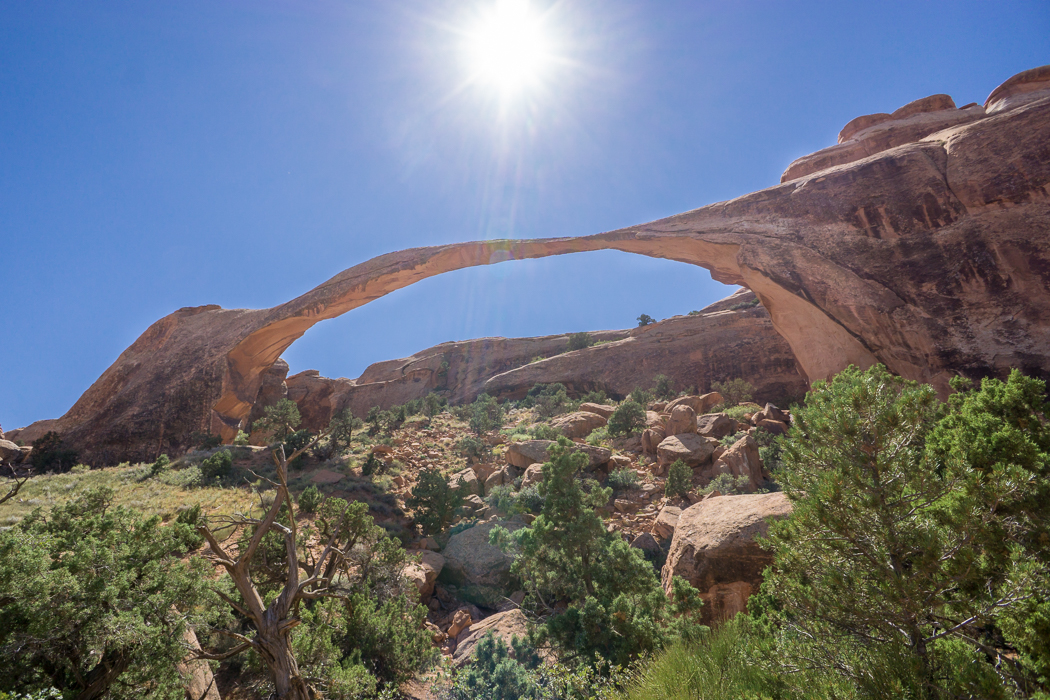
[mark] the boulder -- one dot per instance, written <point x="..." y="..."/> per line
<point x="691" y="448"/>
<point x="741" y="459"/>
<point x="424" y="573"/>
<point x="603" y="410"/>
<point x="716" y="425"/>
<point x="770" y="412"/>
<point x="505" y="626"/>
<point x="646" y="542"/>
<point x="772" y="426"/>
<point x="666" y="522"/>
<point x="699" y="404"/>
<point x="522" y="454"/>
<point x="10" y="452"/>
<point x="467" y="480"/>
<point x="471" y="560"/>
<point x="714" y="549"/>
<point x="533" y="475"/>
<point x="578" y="424"/>
<point x="501" y="477"/>
<point x="460" y="621"/>
<point x="651" y="439"/>
<point x="654" y="419"/>
<point x="682" y="420"/>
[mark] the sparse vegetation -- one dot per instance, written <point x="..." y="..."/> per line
<point x="622" y="479"/>
<point x="734" y="391"/>
<point x="50" y="454"/>
<point x="279" y="420"/>
<point x="549" y="400"/>
<point x="679" y="479"/>
<point x="645" y="320"/>
<point x="629" y="417"/>
<point x="217" y="468"/>
<point x="663" y="387"/>
<point x="435" y="502"/>
<point x="727" y="485"/>
<point x="579" y="341"/>
<point x="485" y="414"/>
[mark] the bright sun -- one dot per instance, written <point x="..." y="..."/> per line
<point x="507" y="47"/>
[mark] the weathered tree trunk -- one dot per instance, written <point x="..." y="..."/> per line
<point x="276" y="650"/>
<point x="103" y="675"/>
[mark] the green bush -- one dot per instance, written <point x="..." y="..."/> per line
<point x="472" y="447"/>
<point x="50" y="454"/>
<point x="645" y="320"/>
<point x="297" y="441"/>
<point x="502" y="498"/>
<point x="193" y="518"/>
<point x="733" y="391"/>
<point x="579" y="341"/>
<point x="598" y="436"/>
<point x="597" y="396"/>
<point x="309" y="499"/>
<point x="530" y="499"/>
<point x="279" y="420"/>
<point x="622" y="479"/>
<point x="159" y="465"/>
<point x="543" y="431"/>
<point x="242" y="439"/>
<point x="745" y="305"/>
<point x="629" y="417"/>
<point x="205" y="440"/>
<point x="679" y="479"/>
<point x="435" y="503"/>
<point x="727" y="485"/>
<point x="485" y="414"/>
<point x="434" y="404"/>
<point x="217" y="468"/>
<point x="548" y="400"/>
<point x="372" y="465"/>
<point x="640" y="396"/>
<point x="663" y="387"/>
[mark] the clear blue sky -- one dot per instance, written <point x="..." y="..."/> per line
<point x="161" y="155"/>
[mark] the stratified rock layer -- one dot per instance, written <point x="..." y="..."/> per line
<point x="931" y="256"/>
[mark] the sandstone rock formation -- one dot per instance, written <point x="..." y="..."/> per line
<point x="504" y="625"/>
<point x="577" y="424"/>
<point x="691" y="448"/>
<point x="714" y="549"/>
<point x="919" y="242"/>
<point x="741" y="459"/>
<point x="423" y="574"/>
<point x="471" y="560"/>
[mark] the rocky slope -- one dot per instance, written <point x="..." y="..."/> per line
<point x="920" y="241"/>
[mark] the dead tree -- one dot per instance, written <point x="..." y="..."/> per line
<point x="356" y="557"/>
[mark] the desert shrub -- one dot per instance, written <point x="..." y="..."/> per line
<point x="242" y="439"/>
<point x="472" y="447"/>
<point x="745" y="305"/>
<point x="645" y="320"/>
<point x="530" y="500"/>
<point x="579" y="341"/>
<point x="640" y="396"/>
<point x="734" y="412"/>
<point x="192" y="517"/>
<point x="341" y="430"/>
<point x="297" y="440"/>
<point x="629" y="417"/>
<point x="663" y="387"/>
<point x="217" y="468"/>
<point x="730" y="440"/>
<point x="502" y="498"/>
<point x="159" y="465"/>
<point x="543" y="431"/>
<point x="435" y="503"/>
<point x="679" y="479"/>
<point x="279" y="420"/>
<point x="309" y="499"/>
<point x="205" y="440"/>
<point x="434" y="404"/>
<point x="597" y="396"/>
<point x="485" y="414"/>
<point x="616" y="609"/>
<point x="727" y="485"/>
<point x="733" y="391"/>
<point x="622" y="479"/>
<point x="51" y="455"/>
<point x="548" y="399"/>
<point x="80" y="469"/>
<point x="598" y="436"/>
<point x="371" y="465"/>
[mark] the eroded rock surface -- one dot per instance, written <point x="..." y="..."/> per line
<point x="928" y="252"/>
<point x="714" y="549"/>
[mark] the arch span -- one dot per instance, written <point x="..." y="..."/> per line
<point x="931" y="257"/>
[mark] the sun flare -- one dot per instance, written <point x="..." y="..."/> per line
<point x="507" y="47"/>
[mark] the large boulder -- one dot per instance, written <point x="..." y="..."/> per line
<point x="714" y="549"/>
<point x="467" y="480"/>
<point x="424" y="573"/>
<point x="772" y="426"/>
<point x="682" y="420"/>
<point x="770" y="412"/>
<point x="471" y="561"/>
<point x="528" y="452"/>
<point x="603" y="410"/>
<point x="12" y="453"/>
<point x="741" y="459"/>
<point x="504" y="625"/>
<point x="691" y="448"/>
<point x="578" y="424"/>
<point x="666" y="522"/>
<point x="715" y="425"/>
<point x="699" y="404"/>
<point x="651" y="439"/>
<point x="533" y="475"/>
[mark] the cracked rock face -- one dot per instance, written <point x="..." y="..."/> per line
<point x="928" y="252"/>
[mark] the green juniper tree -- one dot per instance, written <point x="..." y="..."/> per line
<point x="616" y="607"/>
